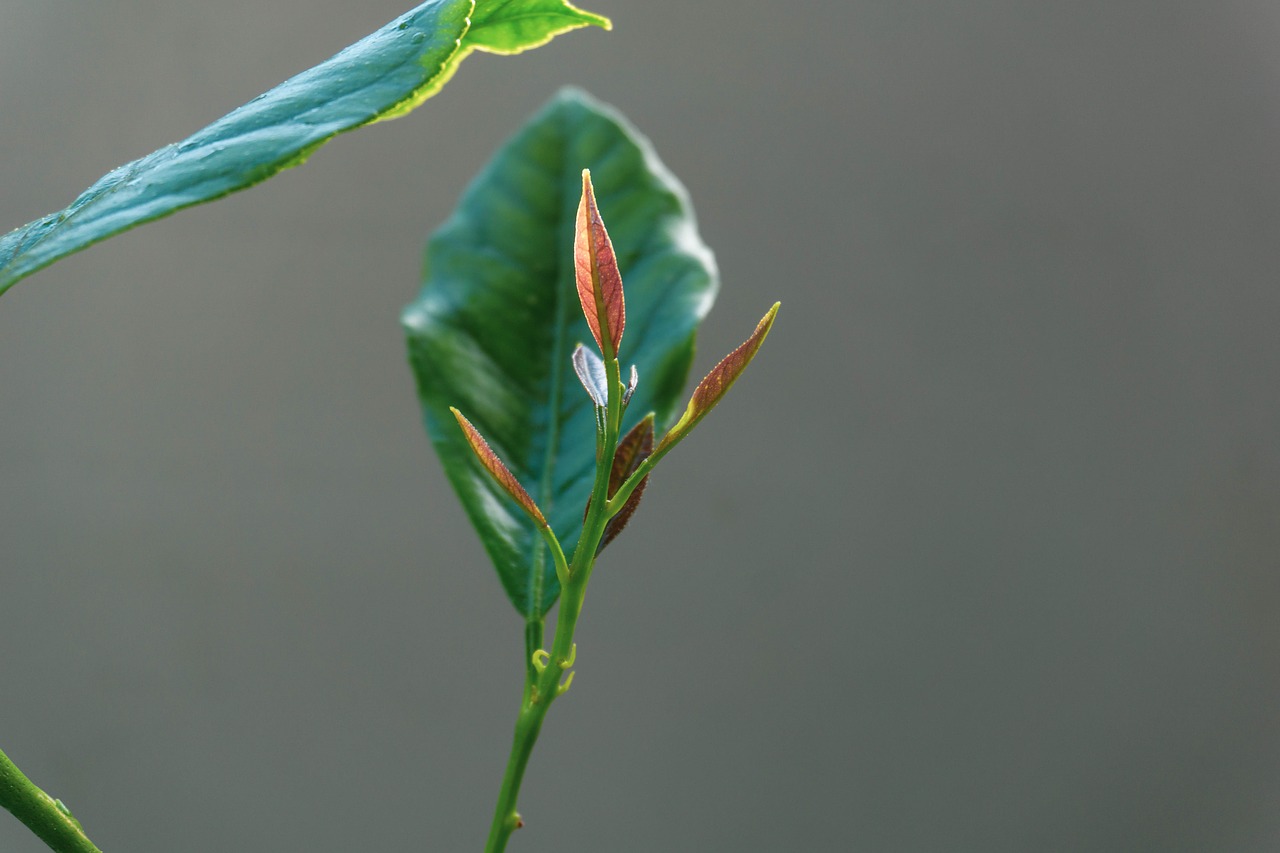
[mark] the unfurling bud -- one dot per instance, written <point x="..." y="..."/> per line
<point x="597" y="276"/>
<point x="591" y="374"/>
<point x="631" y="385"/>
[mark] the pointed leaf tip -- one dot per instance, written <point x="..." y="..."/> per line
<point x="596" y="272"/>
<point x="717" y="383"/>
<point x="513" y="26"/>
<point x="500" y="473"/>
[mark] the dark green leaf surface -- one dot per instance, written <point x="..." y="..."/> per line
<point x="498" y="318"/>
<point x="382" y="76"/>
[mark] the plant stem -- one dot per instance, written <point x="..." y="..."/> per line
<point x="505" y="819"/>
<point x="539" y="692"/>
<point x="46" y="817"/>
<point x="532" y="642"/>
<point x="542" y="687"/>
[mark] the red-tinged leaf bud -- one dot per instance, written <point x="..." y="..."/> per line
<point x="596" y="272"/>
<point x="717" y="383"/>
<point x="501" y="475"/>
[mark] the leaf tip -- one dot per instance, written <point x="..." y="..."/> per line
<point x="588" y="18"/>
<point x="498" y="470"/>
<point x="596" y="273"/>
<point x="717" y="382"/>
<point x="509" y="28"/>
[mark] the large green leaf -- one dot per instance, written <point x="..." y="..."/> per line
<point x="494" y="328"/>
<point x="382" y="76"/>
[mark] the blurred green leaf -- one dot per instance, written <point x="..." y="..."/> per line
<point x="382" y="76"/>
<point x="498" y="318"/>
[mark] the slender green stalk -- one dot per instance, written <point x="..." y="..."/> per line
<point x="46" y="817"/>
<point x="545" y="670"/>
<point x="532" y="642"/>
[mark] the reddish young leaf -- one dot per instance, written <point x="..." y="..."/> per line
<point x="497" y="470"/>
<point x="633" y="449"/>
<point x="596" y="272"/>
<point x="717" y="383"/>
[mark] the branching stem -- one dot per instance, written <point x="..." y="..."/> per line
<point x="543" y="685"/>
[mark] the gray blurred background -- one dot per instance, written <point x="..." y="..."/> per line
<point x="983" y="554"/>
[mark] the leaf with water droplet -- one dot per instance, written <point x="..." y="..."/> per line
<point x="382" y="76"/>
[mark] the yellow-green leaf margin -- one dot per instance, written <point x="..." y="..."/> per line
<point x="382" y="76"/>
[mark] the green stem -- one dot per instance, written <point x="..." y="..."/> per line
<point x="532" y="642"/>
<point x="543" y="687"/>
<point x="539" y="692"/>
<point x="46" y="817"/>
<point x="505" y="818"/>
